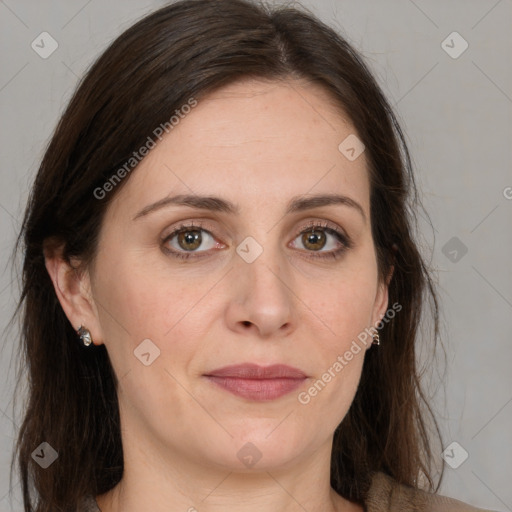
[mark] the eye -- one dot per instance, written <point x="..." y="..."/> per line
<point x="323" y="239"/>
<point x="189" y="239"/>
<point x="318" y="240"/>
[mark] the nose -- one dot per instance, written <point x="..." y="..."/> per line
<point x="262" y="301"/>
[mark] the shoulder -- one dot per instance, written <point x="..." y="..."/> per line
<point x="387" y="495"/>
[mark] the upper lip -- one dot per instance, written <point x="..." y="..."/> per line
<point x="254" y="371"/>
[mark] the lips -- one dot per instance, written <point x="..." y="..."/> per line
<point x="253" y="371"/>
<point x="259" y="383"/>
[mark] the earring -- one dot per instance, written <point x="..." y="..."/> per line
<point x="376" y="339"/>
<point x="85" y="335"/>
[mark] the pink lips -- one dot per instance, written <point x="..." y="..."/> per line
<point x="261" y="383"/>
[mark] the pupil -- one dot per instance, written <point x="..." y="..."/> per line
<point x="190" y="240"/>
<point x="314" y="240"/>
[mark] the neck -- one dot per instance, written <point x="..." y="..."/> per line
<point x="159" y="479"/>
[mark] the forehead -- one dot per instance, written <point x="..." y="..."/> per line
<point x="248" y="141"/>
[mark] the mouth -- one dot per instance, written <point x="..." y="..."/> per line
<point x="257" y="383"/>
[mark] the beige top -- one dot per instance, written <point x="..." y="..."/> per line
<point x="385" y="495"/>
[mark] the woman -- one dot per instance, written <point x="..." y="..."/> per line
<point x="221" y="289"/>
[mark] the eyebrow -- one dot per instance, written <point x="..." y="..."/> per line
<point x="216" y="204"/>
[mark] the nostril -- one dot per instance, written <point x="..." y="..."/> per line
<point x="246" y="323"/>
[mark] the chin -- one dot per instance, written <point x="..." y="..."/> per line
<point x="257" y="449"/>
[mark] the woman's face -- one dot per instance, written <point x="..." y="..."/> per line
<point x="258" y="275"/>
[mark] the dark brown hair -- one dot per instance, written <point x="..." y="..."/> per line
<point x="189" y="49"/>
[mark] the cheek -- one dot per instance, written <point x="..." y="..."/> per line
<point x="145" y="314"/>
<point x="137" y="302"/>
<point x="342" y="313"/>
<point x="339" y="352"/>
<point x="344" y="305"/>
<point x="332" y="390"/>
<point x="139" y="297"/>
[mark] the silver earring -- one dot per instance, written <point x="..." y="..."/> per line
<point x="376" y="339"/>
<point x="85" y="335"/>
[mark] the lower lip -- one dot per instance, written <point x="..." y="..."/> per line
<point x="257" y="389"/>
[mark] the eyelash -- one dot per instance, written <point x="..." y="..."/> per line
<point x="324" y="226"/>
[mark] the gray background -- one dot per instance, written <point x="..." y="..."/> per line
<point x="456" y="113"/>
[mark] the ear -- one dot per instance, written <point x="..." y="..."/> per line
<point x="382" y="298"/>
<point x="73" y="289"/>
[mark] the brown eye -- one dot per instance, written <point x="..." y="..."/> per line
<point x="320" y="239"/>
<point x="190" y="240"/>
<point x="314" y="240"/>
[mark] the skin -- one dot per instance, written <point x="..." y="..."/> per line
<point x="258" y="145"/>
